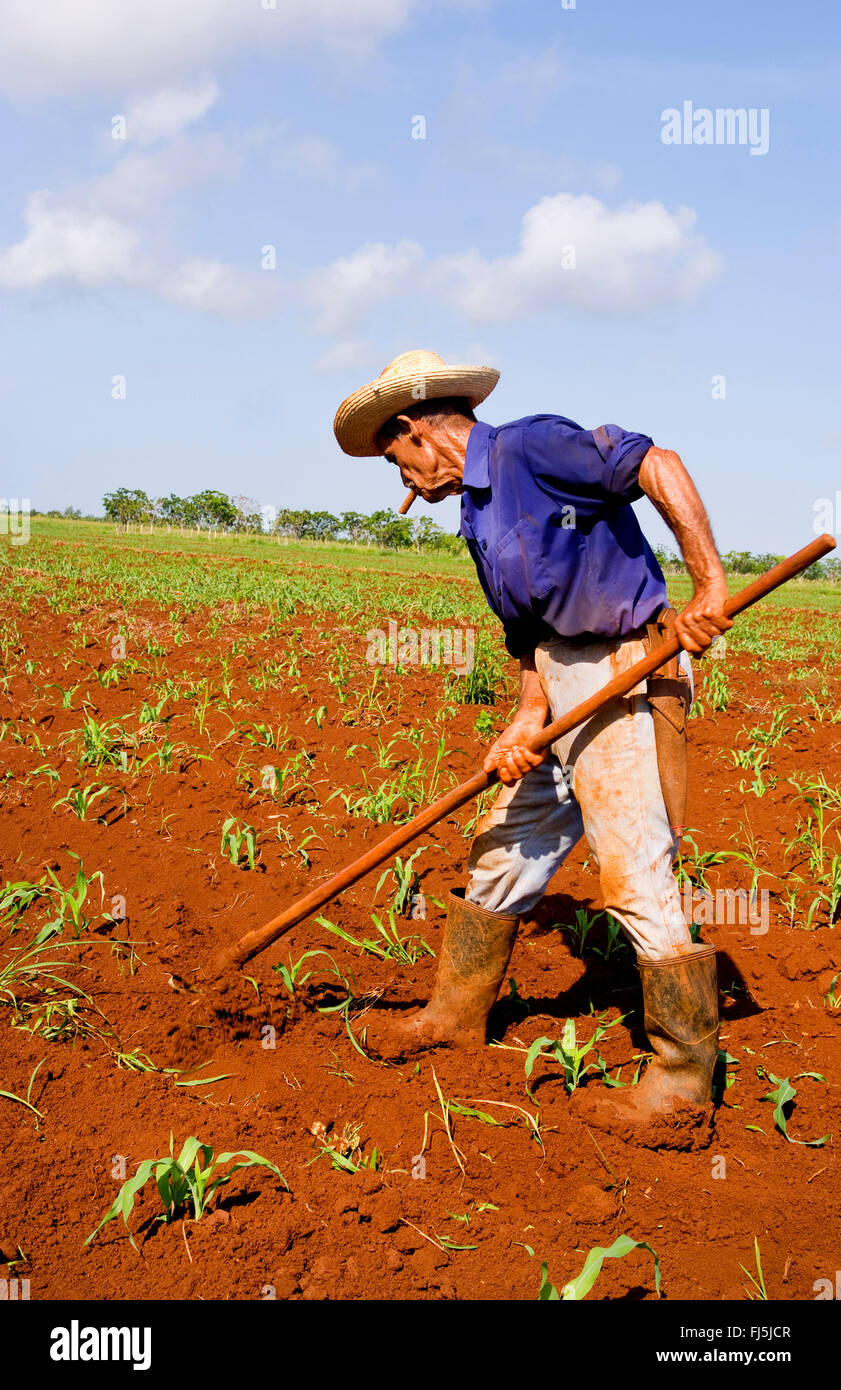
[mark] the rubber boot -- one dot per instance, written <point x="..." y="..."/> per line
<point x="474" y="956"/>
<point x="680" y="997"/>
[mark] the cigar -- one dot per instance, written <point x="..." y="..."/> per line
<point x="407" y="502"/>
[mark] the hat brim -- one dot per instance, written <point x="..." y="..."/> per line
<point x="360" y="417"/>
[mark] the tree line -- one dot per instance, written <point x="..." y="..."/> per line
<point x="746" y="562"/>
<point x="216" y="511"/>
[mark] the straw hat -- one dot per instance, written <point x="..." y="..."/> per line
<point x="411" y="377"/>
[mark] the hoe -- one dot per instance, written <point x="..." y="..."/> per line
<point x="252" y="942"/>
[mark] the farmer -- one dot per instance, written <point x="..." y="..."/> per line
<point x="546" y="514"/>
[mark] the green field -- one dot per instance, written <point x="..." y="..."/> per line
<point x="194" y="570"/>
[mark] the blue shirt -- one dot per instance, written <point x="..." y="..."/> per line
<point x="547" y="518"/>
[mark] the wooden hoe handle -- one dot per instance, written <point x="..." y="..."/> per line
<point x="257" y="940"/>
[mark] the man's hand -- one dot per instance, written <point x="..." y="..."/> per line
<point x="703" y="618"/>
<point x="510" y="755"/>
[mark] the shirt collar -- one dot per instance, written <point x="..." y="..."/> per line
<point x="476" y="465"/>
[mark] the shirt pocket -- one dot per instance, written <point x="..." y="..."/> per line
<point x="521" y="568"/>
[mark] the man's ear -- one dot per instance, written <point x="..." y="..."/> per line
<point x="410" y="426"/>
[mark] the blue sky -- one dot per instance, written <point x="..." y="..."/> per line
<point x="249" y="127"/>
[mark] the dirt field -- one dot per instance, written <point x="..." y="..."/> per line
<point x="177" y="682"/>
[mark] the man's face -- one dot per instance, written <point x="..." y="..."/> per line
<point x="427" y="460"/>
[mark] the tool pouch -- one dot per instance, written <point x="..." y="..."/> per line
<point x="670" y="696"/>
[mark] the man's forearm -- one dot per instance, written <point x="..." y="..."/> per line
<point x="510" y="755"/>
<point x="665" y="481"/>
<point x="532" y="705"/>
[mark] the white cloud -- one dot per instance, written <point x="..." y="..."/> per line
<point x="75" y="243"/>
<point x="56" y="46"/>
<point x="162" y="114"/>
<point x="66" y="243"/>
<point x="138" y="184"/>
<point x="215" y="288"/>
<point x="344" y="292"/>
<point x="575" y="251"/>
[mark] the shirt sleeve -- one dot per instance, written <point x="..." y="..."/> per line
<point x="595" y="463"/>
<point x="622" y="453"/>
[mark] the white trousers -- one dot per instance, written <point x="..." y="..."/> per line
<point x="600" y="781"/>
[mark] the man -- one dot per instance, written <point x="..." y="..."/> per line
<point x="563" y="563"/>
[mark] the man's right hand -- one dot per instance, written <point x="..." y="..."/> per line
<point x="511" y="756"/>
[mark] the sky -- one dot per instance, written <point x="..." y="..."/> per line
<point x="218" y="219"/>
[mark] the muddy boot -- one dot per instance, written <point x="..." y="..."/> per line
<point x="670" y="1104"/>
<point x="474" y="956"/>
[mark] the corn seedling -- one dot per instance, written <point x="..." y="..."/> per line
<point x="782" y="1094"/>
<point x="288" y="785"/>
<point x="16" y="898"/>
<point x="406" y="878"/>
<point x="239" y="842"/>
<point x="579" y="930"/>
<point x="103" y="744"/>
<point x="33" y="968"/>
<point x="717" y="687"/>
<point x="692" y="868"/>
<point x="821" y="707"/>
<point x="569" y="1053"/>
<point x="299" y="848"/>
<point x="71" y="901"/>
<point x="110" y="676"/>
<point x="294" y="976"/>
<point x="381" y="751"/>
<point x="182" y="1181"/>
<point x="390" y="945"/>
<point x="483" y="804"/>
<point x="264" y="736"/>
<point x="27" y="1101"/>
<point x="81" y="800"/>
<point x="579" y="1287"/>
<point x="480" y="686"/>
<point x="136" y="1060"/>
<point x="819" y="840"/>
<point x="66" y="694"/>
<point x="761" y="1294"/>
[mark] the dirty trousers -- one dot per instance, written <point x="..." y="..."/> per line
<point x="601" y="781"/>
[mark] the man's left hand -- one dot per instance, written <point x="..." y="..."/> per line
<point x="703" y="619"/>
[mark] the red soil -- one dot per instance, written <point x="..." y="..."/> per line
<point x="370" y="1234"/>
